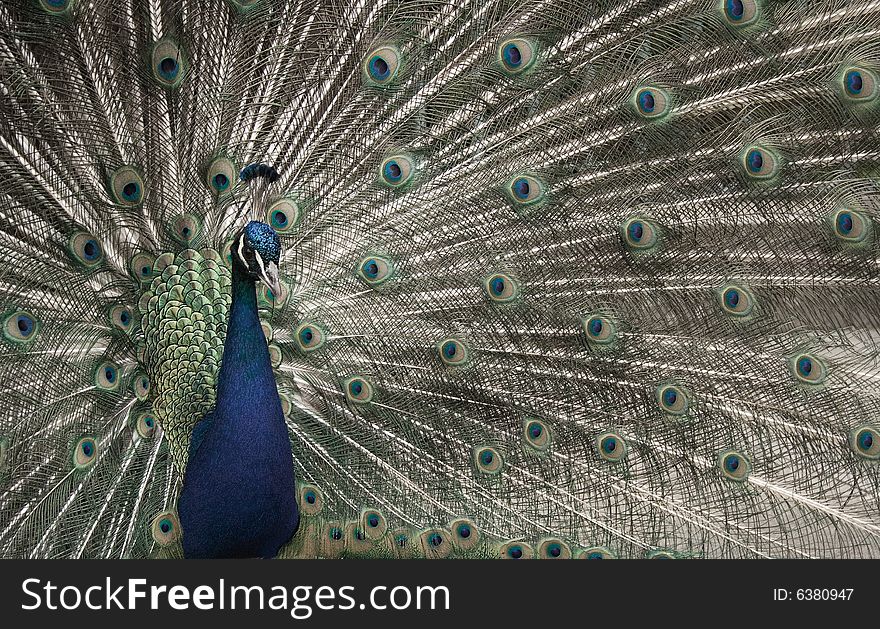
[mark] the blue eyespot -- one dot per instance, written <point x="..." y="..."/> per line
<point x="311" y="498"/>
<point x="336" y="533"/>
<point x="382" y="65"/>
<point x="670" y="397"/>
<point x="808" y="369"/>
<point x="512" y="55"/>
<point x="309" y="337"/>
<point x="595" y="326"/>
<point x="497" y="285"/>
<point x="517" y="55"/>
<point x="435" y="539"/>
<point x="464" y="531"/>
<point x="515" y="552"/>
<point x="635" y="231"/>
<point x="609" y="445"/>
<point x="165" y="525"/>
<point x="734" y="9"/>
<point x="401" y="540"/>
<point x="755" y="161"/>
<point x="731" y="298"/>
<point x="844" y="223"/>
<point x="805" y="366"/>
<point x="535" y="430"/>
<point x="25" y="325"/>
<point x="521" y="188"/>
<point x="486" y="457"/>
<point x="392" y="171"/>
<point x="85" y="452"/>
<point x="646" y="101"/>
<point x="734" y="465"/>
<point x="149" y="422"/>
<point x="356" y="387"/>
<point x="220" y="181"/>
<point x="854" y="82"/>
<point x="131" y="191"/>
<point x="371" y="269"/>
<point x="91" y="250"/>
<point x="279" y="219"/>
<point x="554" y="550"/>
<point x="168" y="68"/>
<point x="373" y="520"/>
<point x="379" y="68"/>
<point x="865" y="441"/>
<point x="306" y="335"/>
<point x="450" y="349"/>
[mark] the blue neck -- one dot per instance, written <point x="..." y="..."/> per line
<point x="239" y="494"/>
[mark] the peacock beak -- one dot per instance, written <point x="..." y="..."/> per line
<point x="269" y="275"/>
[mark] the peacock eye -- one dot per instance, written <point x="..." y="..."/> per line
<point x="525" y="190"/>
<point x="599" y="329"/>
<point x="734" y="465"/>
<point x="168" y="62"/>
<point x="358" y="390"/>
<point x="141" y="386"/>
<point x="283" y="215"/>
<point x="85" y="451"/>
<point x="850" y="226"/>
<point x="453" y="352"/>
<point x="382" y="65"/>
<point x="165" y="528"/>
<point x="553" y="548"/>
<point x="736" y="300"/>
<point x="536" y="433"/>
<point x="375" y="269"/>
<point x="739" y="12"/>
<point x="120" y="317"/>
<point x="309" y="337"/>
<point x="639" y="233"/>
<point x="86" y="249"/>
<point x="808" y="369"/>
<point x="488" y="460"/>
<point x="759" y="163"/>
<point x="859" y="84"/>
<point x="127" y="186"/>
<point x="596" y="552"/>
<point x="396" y="171"/>
<point x="220" y="175"/>
<point x="145" y="425"/>
<point x="56" y="6"/>
<point x="516" y="550"/>
<point x="186" y="228"/>
<point x="20" y="327"/>
<point x="865" y="441"/>
<point x="141" y="266"/>
<point x="517" y="55"/>
<point x="107" y="376"/>
<point x="651" y="102"/>
<point x="501" y="288"/>
<point x="611" y="446"/>
<point x="672" y="399"/>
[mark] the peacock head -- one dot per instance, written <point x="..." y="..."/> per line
<point x="258" y="250"/>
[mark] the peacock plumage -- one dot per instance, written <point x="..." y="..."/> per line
<point x="508" y="278"/>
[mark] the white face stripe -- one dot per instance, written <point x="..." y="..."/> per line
<point x="260" y="262"/>
<point x="241" y="251"/>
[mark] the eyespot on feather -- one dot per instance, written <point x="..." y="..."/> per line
<point x="85" y="452"/>
<point x="865" y="442"/>
<point x="595" y="552"/>
<point x="736" y="300"/>
<point x="734" y="465"/>
<point x="553" y="548"/>
<point x="396" y="171"/>
<point x="465" y="534"/>
<point x="375" y="270"/>
<point x="309" y="337"/>
<point x="145" y="425"/>
<point x="501" y="288"/>
<point x="283" y="215"/>
<point x="373" y="524"/>
<point x="382" y="65"/>
<point x="516" y="550"/>
<point x="672" y="399"/>
<point x="436" y="543"/>
<point x="517" y="55"/>
<point x="760" y="163"/>
<point x="599" y="329"/>
<point x="525" y="191"/>
<point x="220" y="176"/>
<point x="536" y="433"/>
<point x="611" y="446"/>
<point x="453" y="352"/>
<point x="85" y="249"/>
<point x="738" y="13"/>
<point x="488" y="460"/>
<point x="808" y="369"/>
<point x="20" y="326"/>
<point x="639" y="234"/>
<point x="127" y="186"/>
<point x="107" y="376"/>
<point x="651" y="102"/>
<point x="168" y="63"/>
<point x="311" y="500"/>
<point x="358" y="390"/>
<point x="850" y="227"/>
<point x="165" y="528"/>
<point x="141" y="266"/>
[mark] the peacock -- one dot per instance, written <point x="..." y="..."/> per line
<point x="419" y="279"/>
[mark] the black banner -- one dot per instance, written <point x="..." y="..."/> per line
<point x="436" y="593"/>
